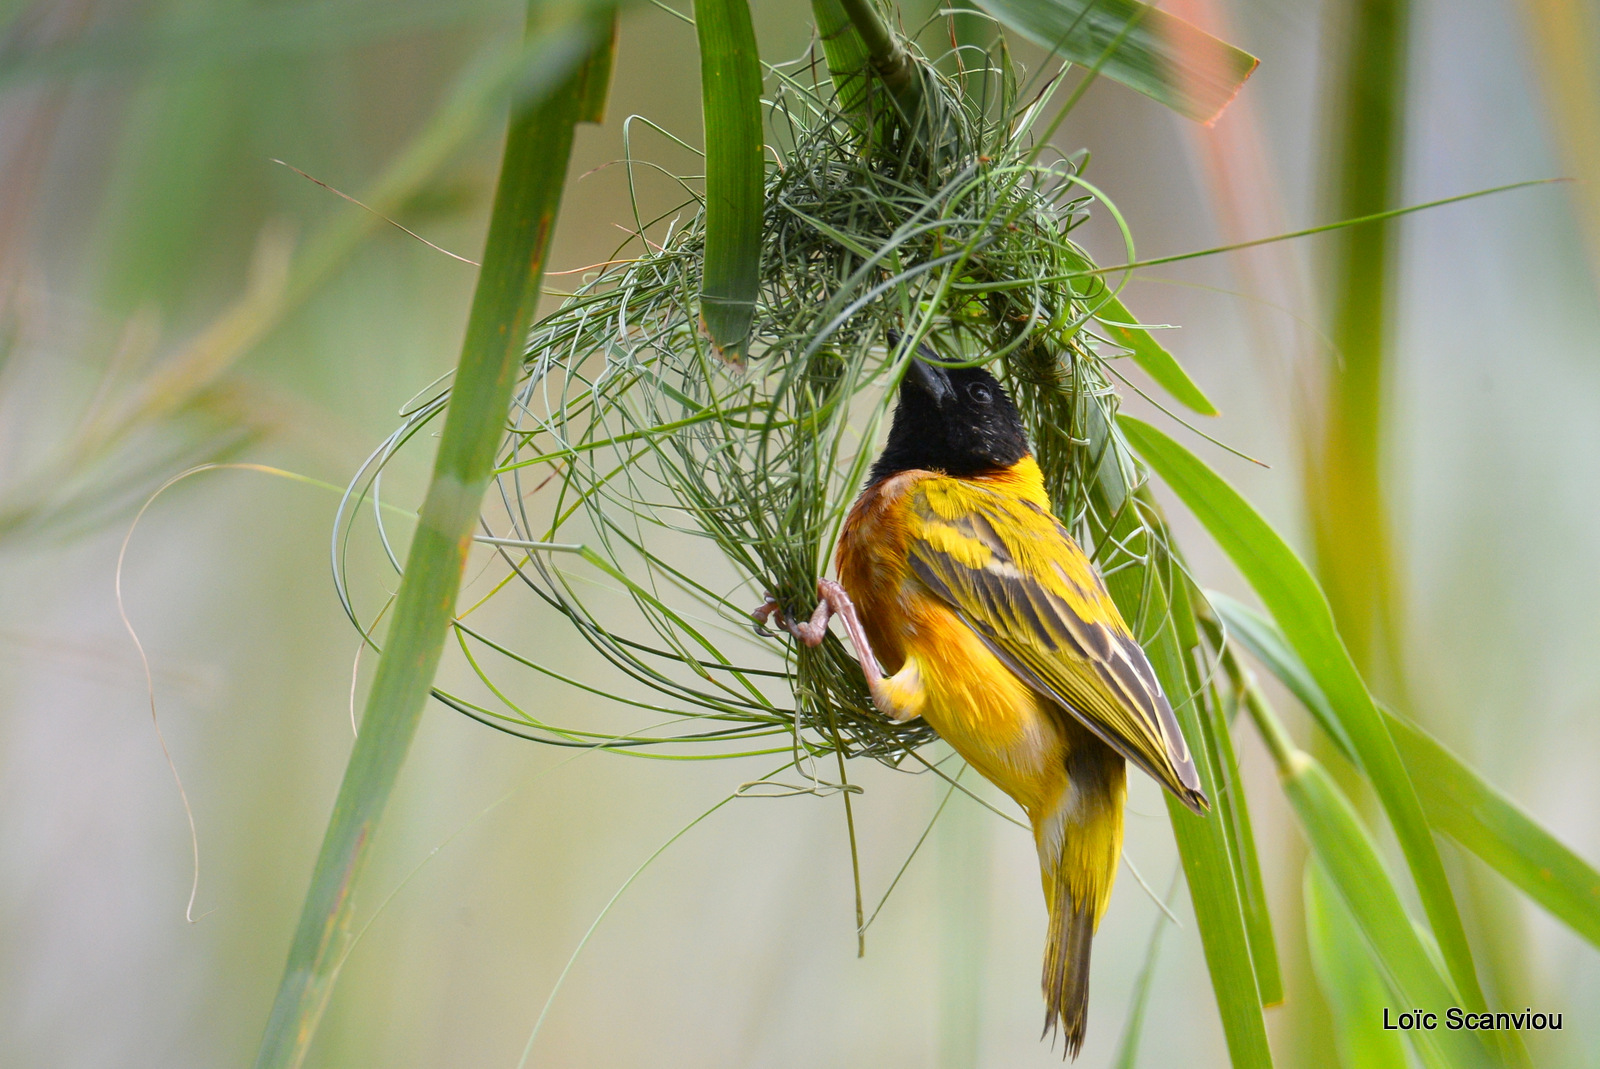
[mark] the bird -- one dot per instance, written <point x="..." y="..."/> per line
<point x="970" y="605"/>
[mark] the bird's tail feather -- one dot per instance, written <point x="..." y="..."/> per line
<point x="1066" y="967"/>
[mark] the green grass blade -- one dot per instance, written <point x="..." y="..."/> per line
<point x="532" y="175"/>
<point x="597" y="78"/>
<point x="1162" y="56"/>
<point x="1364" y="162"/>
<point x="1230" y="809"/>
<point x="730" y="88"/>
<point x="1292" y="596"/>
<point x="1208" y="867"/>
<point x="1152" y="358"/>
<point x="1263" y="639"/>
<point x="1246" y="862"/>
<point x="1457" y="800"/>
<point x="1354" y="869"/>
<point x="845" y="51"/>
<point x="1351" y="984"/>
<point x="1140" y="592"/>
<point x="1479" y="817"/>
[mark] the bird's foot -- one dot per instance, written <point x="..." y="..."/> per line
<point x="831" y="601"/>
<point x="899" y="697"/>
<point x="810" y="631"/>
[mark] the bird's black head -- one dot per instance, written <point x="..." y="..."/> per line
<point x="955" y="420"/>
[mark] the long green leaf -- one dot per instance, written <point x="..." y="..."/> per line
<point x="1162" y="56"/>
<point x="532" y="175"/>
<point x="845" y="51"/>
<point x="1247" y="864"/>
<point x="1151" y="357"/>
<point x="1351" y="984"/>
<point x="1139" y="588"/>
<point x="1207" y="862"/>
<point x="1457" y="800"/>
<point x="730" y="89"/>
<point x="1230" y="809"/>
<point x="1295" y="601"/>
<point x="1354" y="869"/>
<point x="1364" y="162"/>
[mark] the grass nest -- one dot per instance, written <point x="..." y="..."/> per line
<point x="679" y="486"/>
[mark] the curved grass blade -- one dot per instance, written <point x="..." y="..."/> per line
<point x="532" y="175"/>
<point x="730" y="89"/>
<point x="1295" y="601"/>
<point x="1152" y="358"/>
<point x="1160" y="55"/>
<point x="1354" y="869"/>
<point x="1457" y="800"/>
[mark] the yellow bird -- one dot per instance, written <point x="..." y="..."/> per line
<point x="991" y="624"/>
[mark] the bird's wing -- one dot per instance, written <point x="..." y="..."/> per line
<point x="1015" y="576"/>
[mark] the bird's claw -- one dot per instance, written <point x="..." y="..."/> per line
<point x="810" y="632"/>
<point x="764" y="612"/>
<point x="769" y="612"/>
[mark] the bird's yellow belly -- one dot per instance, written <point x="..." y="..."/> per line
<point x="989" y="716"/>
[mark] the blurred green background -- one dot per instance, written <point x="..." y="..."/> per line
<point x="169" y="295"/>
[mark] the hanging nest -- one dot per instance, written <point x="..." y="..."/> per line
<point x="694" y="485"/>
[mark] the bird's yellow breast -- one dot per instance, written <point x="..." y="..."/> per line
<point x="1000" y="725"/>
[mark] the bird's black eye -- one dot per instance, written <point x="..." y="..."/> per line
<point x="980" y="393"/>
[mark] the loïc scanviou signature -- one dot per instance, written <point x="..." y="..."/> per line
<point x="1456" y="1019"/>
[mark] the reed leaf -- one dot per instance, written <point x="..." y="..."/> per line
<point x="730" y="89"/>
<point x="1364" y="160"/>
<point x="1160" y="55"/>
<point x="1292" y="596"/>
<point x="1354" y="869"/>
<point x="1354" y="989"/>
<point x="1144" y="580"/>
<point x="1234" y="809"/>
<point x="532" y="175"/>
<point x="1457" y="799"/>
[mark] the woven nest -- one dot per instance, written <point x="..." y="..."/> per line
<point x="677" y="488"/>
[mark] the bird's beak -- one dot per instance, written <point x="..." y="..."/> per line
<point x="929" y="378"/>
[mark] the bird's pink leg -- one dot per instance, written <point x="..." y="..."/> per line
<point x="836" y="602"/>
<point x="831" y="601"/>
